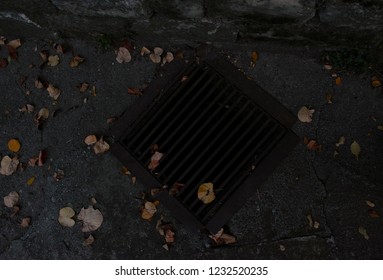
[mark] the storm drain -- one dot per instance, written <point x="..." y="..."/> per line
<point x="213" y="125"/>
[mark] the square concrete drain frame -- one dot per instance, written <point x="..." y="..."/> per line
<point x="213" y="125"/>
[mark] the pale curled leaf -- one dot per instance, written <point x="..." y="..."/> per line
<point x="27" y="108"/>
<point x="158" y="51"/>
<point x="92" y="219"/>
<point x="148" y="210"/>
<point x="144" y="51"/>
<point x="53" y="92"/>
<point x="65" y="217"/>
<point x="25" y="222"/>
<point x="90" y="139"/>
<point x="11" y="199"/>
<point x="206" y="193"/>
<point x="305" y="114"/>
<point x="123" y="55"/>
<point x="8" y="165"/>
<point x="355" y="149"/>
<point x="370" y="203"/>
<point x="155" y="160"/>
<point x="155" y="58"/>
<point x="76" y="61"/>
<point x="15" y="43"/>
<point x="53" y="60"/>
<point x="100" y="146"/>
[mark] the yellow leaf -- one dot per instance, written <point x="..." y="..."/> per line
<point x="355" y="149"/>
<point x="14" y="145"/>
<point x="206" y="193"/>
<point x="31" y="180"/>
<point x="65" y="217"/>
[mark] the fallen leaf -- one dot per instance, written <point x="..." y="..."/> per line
<point x="2" y="40"/>
<point x="341" y="141"/>
<point x="41" y="116"/>
<point x="135" y="91"/>
<point x="90" y="139"/>
<point x="14" y="145"/>
<point x="93" y="200"/>
<point x="155" y="58"/>
<point x="59" y="48"/>
<point x="92" y="218"/>
<point x="125" y="171"/>
<point x="65" y="217"/>
<point x="355" y="149"/>
<point x="58" y="175"/>
<point x="169" y="236"/>
<point x="44" y="56"/>
<point x="206" y="193"/>
<point x="282" y="248"/>
<point x="184" y="78"/>
<point x="53" y="60"/>
<point x="363" y="232"/>
<point x="15" y="211"/>
<point x="76" y="61"/>
<point x="168" y="58"/>
<point x="312" y="144"/>
<point x="305" y="114"/>
<point x="329" y="97"/>
<point x="327" y="66"/>
<point x="123" y="55"/>
<point x="144" y="51"/>
<point x="8" y="165"/>
<point x="101" y="146"/>
<point x="88" y="241"/>
<point x="39" y="84"/>
<point x="12" y="52"/>
<point x="27" y="108"/>
<point x="155" y="160"/>
<point x="380" y="127"/>
<point x="254" y="58"/>
<point x="111" y="120"/>
<point x="338" y="81"/>
<point x="158" y="51"/>
<point x="166" y="247"/>
<point x="310" y="219"/>
<point x="316" y="225"/>
<point x="176" y="188"/>
<point x="221" y="238"/>
<point x="53" y="92"/>
<point x="25" y="222"/>
<point x="11" y="199"/>
<point x="31" y="180"/>
<point x="375" y="82"/>
<point x="148" y="210"/>
<point x="134" y="180"/>
<point x="3" y="62"/>
<point x="83" y="87"/>
<point x="373" y="213"/>
<point x="370" y="203"/>
<point x="15" y="43"/>
<point x="43" y="155"/>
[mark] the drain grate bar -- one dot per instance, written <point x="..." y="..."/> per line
<point x="212" y="126"/>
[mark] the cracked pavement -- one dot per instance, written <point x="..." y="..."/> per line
<point x="272" y="224"/>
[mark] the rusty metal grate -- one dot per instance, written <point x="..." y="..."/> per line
<point x="213" y="125"/>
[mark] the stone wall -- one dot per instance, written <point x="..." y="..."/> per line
<point x="327" y="21"/>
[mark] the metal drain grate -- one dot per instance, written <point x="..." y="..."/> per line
<point x="213" y="125"/>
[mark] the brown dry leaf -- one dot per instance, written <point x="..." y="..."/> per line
<point x="39" y="84"/>
<point x="31" y="181"/>
<point x="88" y="241"/>
<point x="175" y="188"/>
<point x="338" y="81"/>
<point x="329" y="98"/>
<point x="375" y="82"/>
<point x="305" y="114"/>
<point x="53" y="92"/>
<point x="206" y="193"/>
<point x="101" y="146"/>
<point x="42" y="115"/>
<point x="355" y="149"/>
<point x="254" y="58"/>
<point x="76" y="61"/>
<point x="169" y="236"/>
<point x="144" y="51"/>
<point x="155" y="160"/>
<point x="3" y="63"/>
<point x="316" y="225"/>
<point x="148" y="210"/>
<point x="168" y="58"/>
<point x="14" y="43"/>
<point x="83" y="87"/>
<point x="134" y="180"/>
<point x="221" y="238"/>
<point x="27" y="108"/>
<point x="363" y="232"/>
<point x="92" y="218"/>
<point x="58" y="175"/>
<point x="123" y="55"/>
<point x="11" y="199"/>
<point x="65" y="217"/>
<point x="125" y="171"/>
<point x="8" y="165"/>
<point x="155" y="58"/>
<point x="25" y="222"/>
<point x="14" y="145"/>
<point x="370" y="203"/>
<point x="373" y="213"/>
<point x="15" y="210"/>
<point x="135" y="91"/>
<point x="53" y="60"/>
<point x="341" y="141"/>
<point x="310" y="219"/>
<point x="44" y="56"/>
<point x="90" y="139"/>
